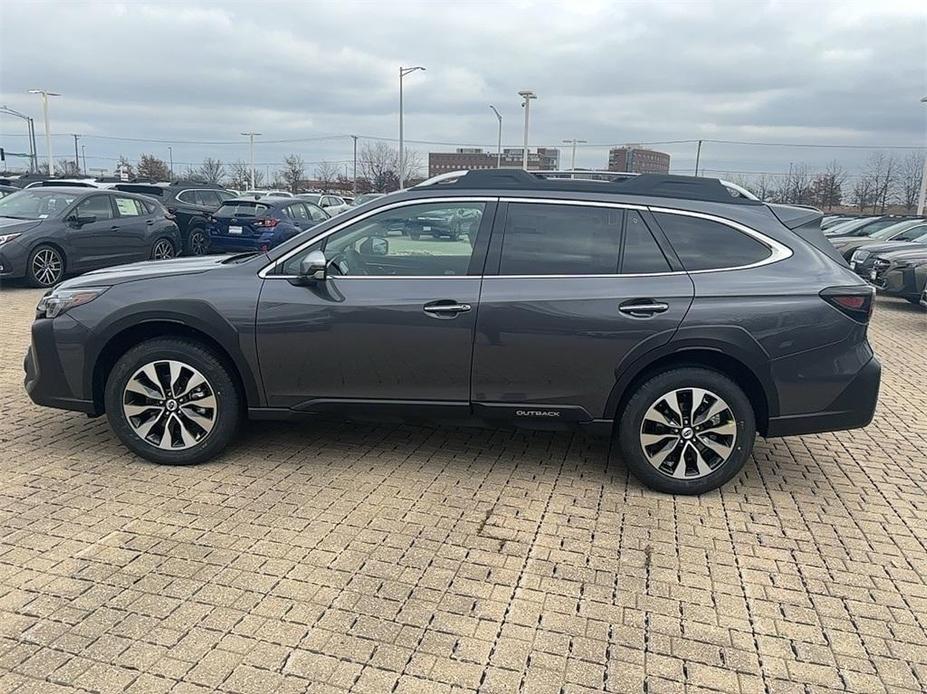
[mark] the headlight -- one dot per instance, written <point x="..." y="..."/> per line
<point x="5" y="238"/>
<point x="860" y="255"/>
<point x="58" y="301"/>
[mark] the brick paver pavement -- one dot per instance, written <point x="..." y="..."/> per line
<point x="332" y="557"/>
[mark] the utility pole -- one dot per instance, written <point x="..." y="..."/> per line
<point x="354" y="187"/>
<point x="923" y="193"/>
<point x="76" y="156"/>
<point x="403" y="71"/>
<point x="48" y="145"/>
<point x="573" y="157"/>
<point x="698" y="155"/>
<point x="170" y="155"/>
<point x="527" y="95"/>
<point x="250" y="136"/>
<point x="499" y="144"/>
<point x="83" y="152"/>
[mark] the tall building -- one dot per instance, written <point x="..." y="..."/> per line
<point x="636" y="160"/>
<point x="541" y="159"/>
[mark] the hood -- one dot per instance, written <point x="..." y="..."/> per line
<point x="146" y="270"/>
<point x="8" y="225"/>
<point x="883" y="247"/>
<point x="906" y="250"/>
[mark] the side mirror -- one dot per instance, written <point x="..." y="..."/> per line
<point x="81" y="220"/>
<point x="313" y="268"/>
<point x="375" y="245"/>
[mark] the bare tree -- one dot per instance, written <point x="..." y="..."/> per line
<point x="240" y="175"/>
<point x="327" y="175"/>
<point x="827" y="186"/>
<point x="152" y="168"/>
<point x="795" y="188"/>
<point x="211" y="170"/>
<point x="910" y="170"/>
<point x="66" y="168"/>
<point x="379" y="164"/>
<point x="295" y="172"/>
<point x="863" y="192"/>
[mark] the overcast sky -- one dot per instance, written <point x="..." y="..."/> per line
<point x="606" y="72"/>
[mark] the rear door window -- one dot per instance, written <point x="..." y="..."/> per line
<point x="703" y="244"/>
<point x="546" y="239"/>
<point x="98" y="206"/>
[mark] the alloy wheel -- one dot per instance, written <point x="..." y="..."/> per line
<point x="170" y="405"/>
<point x="163" y="250"/>
<point x="198" y="244"/>
<point x="47" y="267"/>
<point x="688" y="433"/>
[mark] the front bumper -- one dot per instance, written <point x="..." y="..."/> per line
<point x="54" y="374"/>
<point x="13" y="259"/>
<point x="853" y="408"/>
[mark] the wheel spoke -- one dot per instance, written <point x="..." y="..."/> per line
<point x="137" y="410"/>
<point x="203" y="422"/>
<point x="722" y="450"/>
<point x="723" y="429"/>
<point x="701" y="466"/>
<point x="207" y="401"/>
<point x="651" y="439"/>
<point x="196" y="380"/>
<point x="144" y="429"/>
<point x="176" y="369"/>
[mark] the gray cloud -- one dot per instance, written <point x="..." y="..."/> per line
<point x="606" y="72"/>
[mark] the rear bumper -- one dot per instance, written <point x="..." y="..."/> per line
<point x="851" y="409"/>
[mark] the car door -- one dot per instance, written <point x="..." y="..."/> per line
<point x="572" y="293"/>
<point x="135" y="223"/>
<point x="390" y="327"/>
<point x="93" y="244"/>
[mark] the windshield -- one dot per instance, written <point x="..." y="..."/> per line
<point x="844" y="227"/>
<point x="36" y="203"/>
<point x="311" y="198"/>
<point x="870" y="229"/>
<point x="890" y="231"/>
<point x="241" y="208"/>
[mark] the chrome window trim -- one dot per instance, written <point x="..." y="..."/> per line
<point x="778" y="251"/>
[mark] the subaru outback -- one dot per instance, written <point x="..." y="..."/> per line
<point x="675" y="315"/>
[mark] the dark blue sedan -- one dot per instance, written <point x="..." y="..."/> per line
<point x="246" y="224"/>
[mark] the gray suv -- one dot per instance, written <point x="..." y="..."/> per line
<point x="673" y="314"/>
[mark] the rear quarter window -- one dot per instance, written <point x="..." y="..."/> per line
<point x="703" y="244"/>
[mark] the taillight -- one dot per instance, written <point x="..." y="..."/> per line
<point x="170" y="214"/>
<point x="264" y="248"/>
<point x="267" y="223"/>
<point x="856" y="302"/>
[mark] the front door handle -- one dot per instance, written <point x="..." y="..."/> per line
<point x="445" y="308"/>
<point x="643" y="308"/>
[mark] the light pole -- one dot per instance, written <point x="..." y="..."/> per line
<point x="83" y="156"/>
<point x="573" y="157"/>
<point x="403" y="71"/>
<point x="76" y="156"/>
<point x="251" y="136"/>
<point x="499" y="145"/>
<point x="527" y="96"/>
<point x="923" y="194"/>
<point x="170" y="156"/>
<point x="48" y="146"/>
<point x="30" y="133"/>
<point x="354" y="186"/>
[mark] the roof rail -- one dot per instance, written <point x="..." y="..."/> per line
<point x="623" y="182"/>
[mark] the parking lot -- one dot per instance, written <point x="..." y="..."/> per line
<point x="333" y="557"/>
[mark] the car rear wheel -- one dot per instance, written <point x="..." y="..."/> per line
<point x="687" y="431"/>
<point x="197" y="242"/>
<point x="163" y="249"/>
<point x="172" y="401"/>
<point x="46" y="267"/>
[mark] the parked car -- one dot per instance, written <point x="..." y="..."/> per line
<point x="862" y="227"/>
<point x="244" y="224"/>
<point x="443" y="223"/>
<point x="908" y="230"/>
<point x="8" y="190"/>
<point x="258" y="194"/>
<point x="333" y="204"/>
<point x="49" y="233"/>
<point x="901" y="272"/>
<point x="190" y="203"/>
<point x="366" y="197"/>
<point x="834" y="220"/>
<point x="658" y="310"/>
<point x="64" y="183"/>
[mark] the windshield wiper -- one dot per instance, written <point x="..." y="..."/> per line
<point x="240" y="257"/>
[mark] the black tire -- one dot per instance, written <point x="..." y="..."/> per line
<point x="156" y="254"/>
<point x="197" y="242"/>
<point x="227" y="413"/>
<point x="631" y="419"/>
<point x="37" y="276"/>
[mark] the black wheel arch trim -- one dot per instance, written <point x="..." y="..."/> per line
<point x="199" y="319"/>
<point x="731" y="343"/>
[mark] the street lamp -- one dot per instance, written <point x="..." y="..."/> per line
<point x="251" y="136"/>
<point x="403" y="71"/>
<point x="48" y="146"/>
<point x="30" y="133"/>
<point x="170" y="156"/>
<point x="923" y="194"/>
<point x="499" y="146"/>
<point x="527" y="96"/>
<point x="573" y="158"/>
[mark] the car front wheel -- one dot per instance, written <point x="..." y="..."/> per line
<point x="46" y="267"/>
<point x="687" y="431"/>
<point x="172" y="401"/>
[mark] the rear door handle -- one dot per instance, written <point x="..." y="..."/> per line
<point x="643" y="308"/>
<point x="445" y="308"/>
